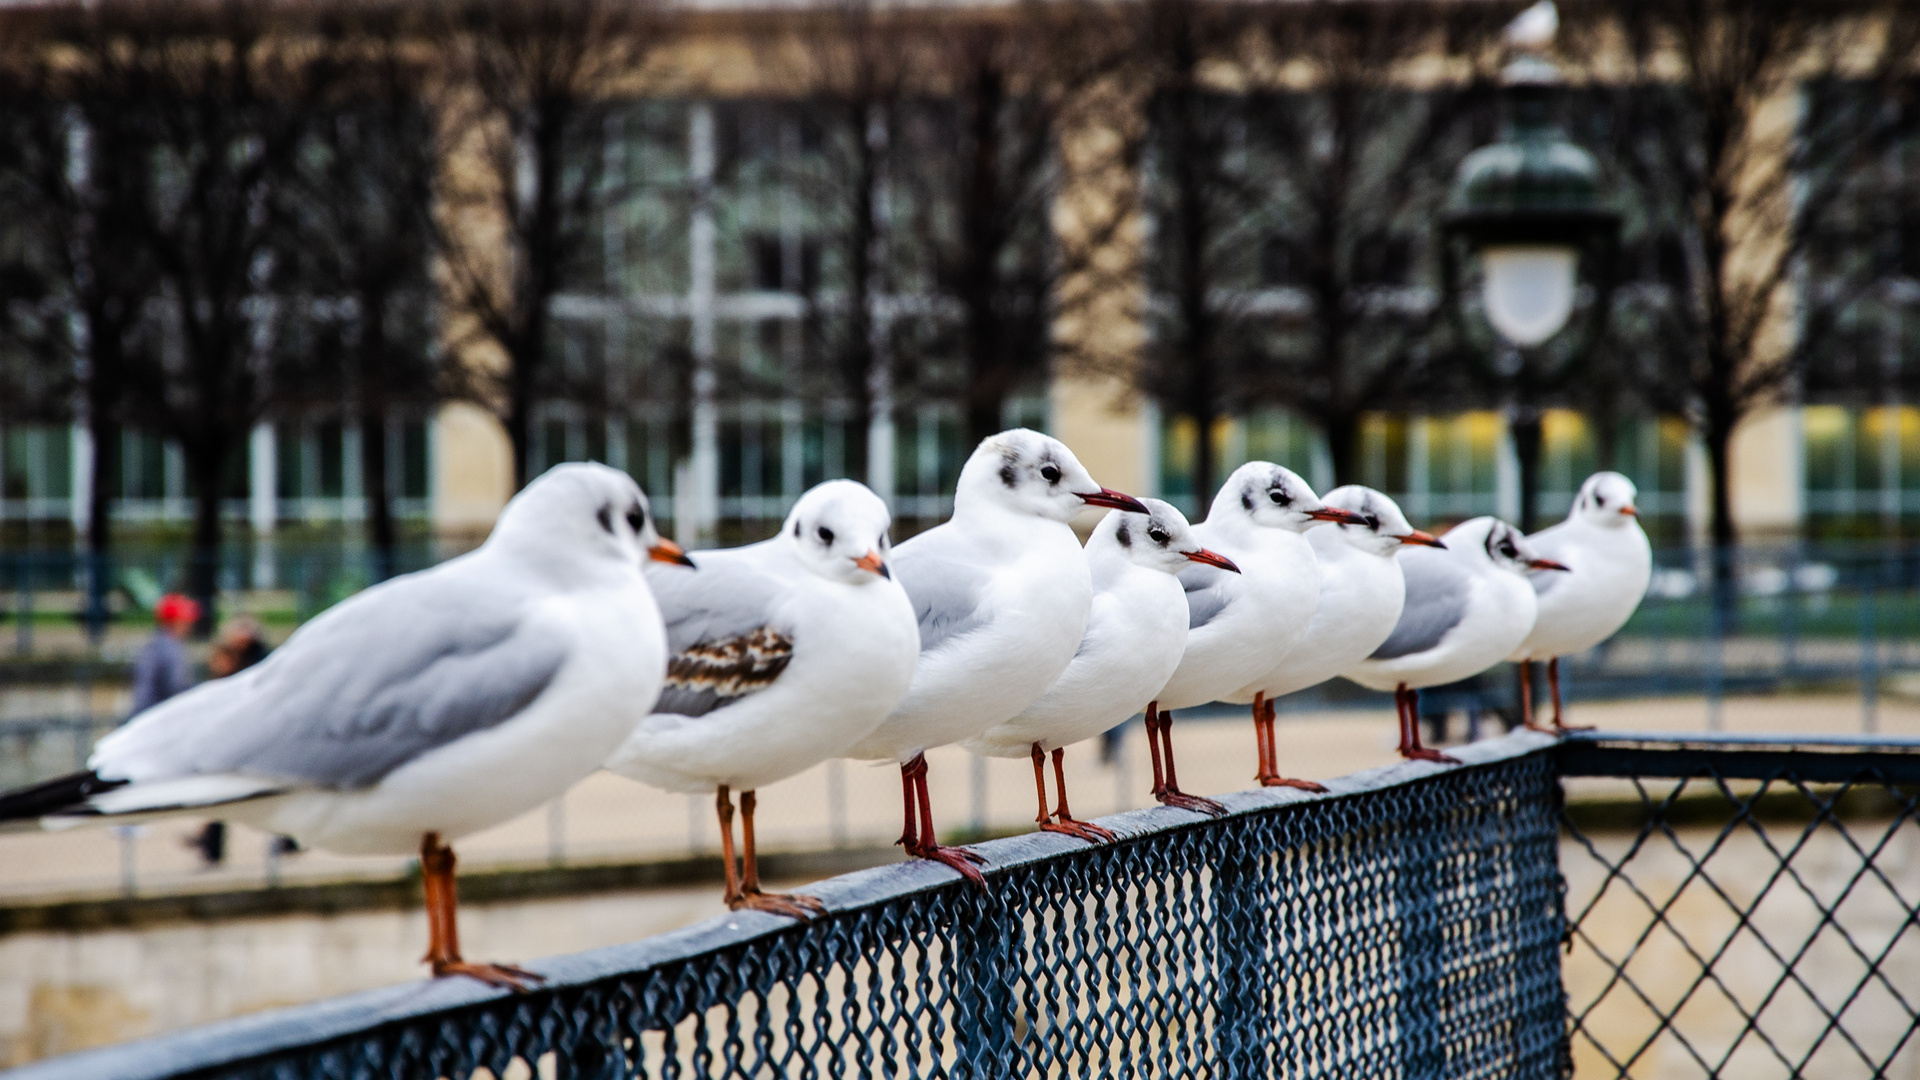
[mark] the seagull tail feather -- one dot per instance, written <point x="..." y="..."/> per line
<point x="66" y="793"/>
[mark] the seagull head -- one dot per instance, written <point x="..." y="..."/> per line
<point x="1606" y="500"/>
<point x="1503" y="546"/>
<point x="1160" y="539"/>
<point x="1383" y="529"/>
<point x="1274" y="497"/>
<point x="839" y="529"/>
<point x="1029" y="473"/>
<point x="588" y="510"/>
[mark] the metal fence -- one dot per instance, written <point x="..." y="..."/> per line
<point x="1727" y="906"/>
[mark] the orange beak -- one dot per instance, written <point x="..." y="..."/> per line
<point x="1331" y="513"/>
<point x="1212" y="558"/>
<point x="1427" y="538"/>
<point x="1113" y="500"/>
<point x="668" y="551"/>
<point x="871" y="562"/>
<point x="1630" y="510"/>
<point x="1548" y="564"/>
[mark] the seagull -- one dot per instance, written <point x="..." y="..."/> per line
<point x="1001" y="592"/>
<point x="418" y="711"/>
<point x="1136" y="632"/>
<point x="783" y="654"/>
<point x="1602" y="543"/>
<point x="1468" y="604"/>
<point x="1238" y="623"/>
<point x="1361" y="594"/>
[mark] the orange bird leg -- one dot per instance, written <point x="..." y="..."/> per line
<point x="1173" y="796"/>
<point x="723" y="809"/>
<point x="1040" y="784"/>
<point x="926" y="845"/>
<point x="1553" y="680"/>
<point x="1153" y="747"/>
<point x="443" y="930"/>
<point x="1410" y="747"/>
<point x="792" y="905"/>
<point x="1063" y="819"/>
<point x="1273" y="777"/>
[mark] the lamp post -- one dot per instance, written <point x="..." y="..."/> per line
<point x="1528" y="245"/>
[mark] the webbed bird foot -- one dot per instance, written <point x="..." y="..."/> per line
<point x="1287" y="781"/>
<point x="961" y="859"/>
<point x="793" y="905"/>
<point x="517" y="979"/>
<point x="1435" y="756"/>
<point x="1084" y="830"/>
<point x="1199" y="804"/>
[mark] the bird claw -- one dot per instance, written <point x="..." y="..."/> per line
<point x="506" y="976"/>
<point x="1435" y="756"/>
<point x="1284" y="781"/>
<point x="1084" y="830"/>
<point x="792" y="905"/>
<point x="959" y="858"/>
<point x="1199" y="804"/>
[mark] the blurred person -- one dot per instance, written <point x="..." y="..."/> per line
<point x="241" y="645"/>
<point x="162" y="668"/>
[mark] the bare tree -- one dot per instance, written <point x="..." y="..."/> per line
<point x="531" y="86"/>
<point x="1699" y="141"/>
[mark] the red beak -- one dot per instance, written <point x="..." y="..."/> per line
<point x="871" y="562"/>
<point x="1427" y="538"/>
<point x="1332" y="513"/>
<point x="1114" y="499"/>
<point x="1630" y="510"/>
<point x="1212" y="558"/>
<point x="1548" y="564"/>
<point x="668" y="551"/>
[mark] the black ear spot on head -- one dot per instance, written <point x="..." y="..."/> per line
<point x="1008" y="474"/>
<point x="605" y="517"/>
<point x="1125" y="538"/>
<point x="796" y="530"/>
<point x="1246" y="500"/>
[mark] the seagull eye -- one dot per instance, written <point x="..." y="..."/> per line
<point x="1279" y="497"/>
<point x="1509" y="551"/>
<point x="826" y="534"/>
<point x="1050" y="474"/>
<point x="637" y="519"/>
<point x="1373" y="522"/>
<point x="1158" y="535"/>
<point x="1599" y="500"/>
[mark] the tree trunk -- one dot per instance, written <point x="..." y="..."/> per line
<point x="1719" y="437"/>
<point x="1523" y="426"/>
<point x="206" y="465"/>
<point x="373" y="438"/>
<point x="1342" y="431"/>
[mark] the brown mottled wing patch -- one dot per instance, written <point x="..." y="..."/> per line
<point x="713" y="674"/>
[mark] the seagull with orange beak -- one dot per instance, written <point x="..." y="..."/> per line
<point x="1602" y="543"/>
<point x="1002" y="593"/>
<point x="1136" y="634"/>
<point x="1361" y="594"/>
<point x="1468" y="604"/>
<point x="782" y="654"/>
<point x="1239" y="624"/>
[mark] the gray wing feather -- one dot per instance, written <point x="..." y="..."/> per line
<point x="381" y="679"/>
<point x="1207" y="594"/>
<point x="1437" y="591"/>
<point x="946" y="593"/>
<point x="714" y="674"/>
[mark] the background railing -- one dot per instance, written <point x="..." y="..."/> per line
<point x="1407" y="925"/>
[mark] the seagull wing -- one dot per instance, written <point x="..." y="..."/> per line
<point x="381" y="679"/>
<point x="1208" y="594"/>
<point x="948" y="590"/>
<point x="1438" y="589"/>
<point x="721" y="634"/>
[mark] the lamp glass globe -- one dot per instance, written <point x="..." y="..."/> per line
<point x="1528" y="290"/>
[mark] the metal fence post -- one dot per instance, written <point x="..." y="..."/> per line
<point x="1869" y="653"/>
<point x="983" y="1010"/>
<point x="1241" y="961"/>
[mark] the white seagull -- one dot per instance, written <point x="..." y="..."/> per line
<point x="1467" y="606"/>
<point x="1136" y="632"/>
<point x="1361" y="594"/>
<point x="782" y="654"/>
<point x="1602" y="543"/>
<point x="1001" y="592"/>
<point x="423" y="709"/>
<point x="1238" y="624"/>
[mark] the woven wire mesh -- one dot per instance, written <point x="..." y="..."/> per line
<point x="1408" y="928"/>
<point x="1736" y="913"/>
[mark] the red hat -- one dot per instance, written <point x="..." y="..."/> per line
<point x="174" y="607"/>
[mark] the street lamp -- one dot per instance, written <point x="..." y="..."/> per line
<point x="1527" y="217"/>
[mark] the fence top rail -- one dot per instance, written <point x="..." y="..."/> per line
<point x="1744" y="740"/>
<point x="1798" y="758"/>
<point x="233" y="1042"/>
